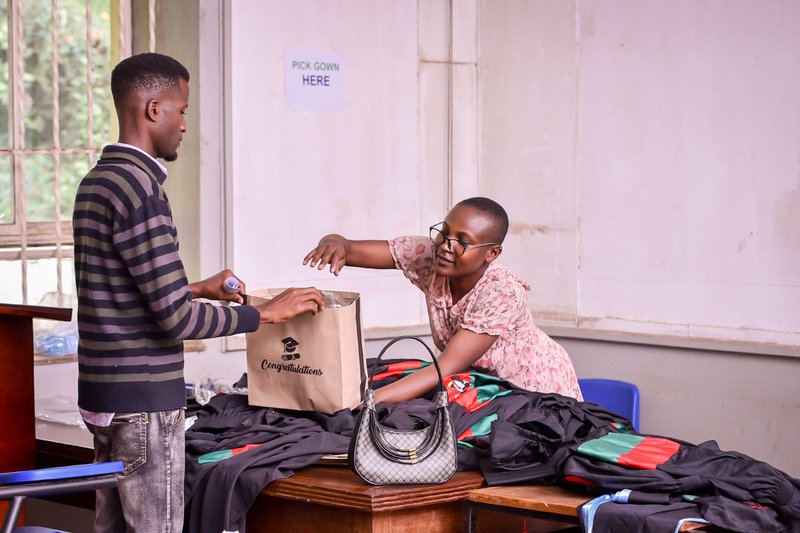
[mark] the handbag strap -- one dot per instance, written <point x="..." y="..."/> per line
<point x="433" y="434"/>
<point x="398" y="339"/>
<point x="428" y="445"/>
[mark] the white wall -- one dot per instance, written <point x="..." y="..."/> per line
<point x="528" y="83"/>
<point x="651" y="180"/>
<point x="688" y="154"/>
<point x="649" y="156"/>
<point x="297" y="175"/>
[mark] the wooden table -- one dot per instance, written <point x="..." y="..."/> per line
<point x="552" y="503"/>
<point x="333" y="499"/>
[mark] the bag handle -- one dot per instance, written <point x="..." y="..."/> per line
<point x="398" y="339"/>
<point x="433" y="437"/>
<point x="434" y="433"/>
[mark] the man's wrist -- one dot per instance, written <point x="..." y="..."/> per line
<point x="197" y="290"/>
<point x="267" y="316"/>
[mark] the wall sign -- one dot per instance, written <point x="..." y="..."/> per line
<point x="314" y="80"/>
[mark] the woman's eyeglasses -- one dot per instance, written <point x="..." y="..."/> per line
<point x="457" y="246"/>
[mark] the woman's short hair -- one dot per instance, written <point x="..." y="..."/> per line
<point x="495" y="211"/>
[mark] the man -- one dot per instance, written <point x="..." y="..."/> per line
<point x="135" y="305"/>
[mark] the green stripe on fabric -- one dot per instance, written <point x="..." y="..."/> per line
<point x="213" y="457"/>
<point x="610" y="447"/>
<point x="121" y="377"/>
<point x="490" y="392"/>
<point x="619" y="427"/>
<point x="483" y="426"/>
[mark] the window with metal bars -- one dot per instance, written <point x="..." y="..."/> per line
<point x="55" y="65"/>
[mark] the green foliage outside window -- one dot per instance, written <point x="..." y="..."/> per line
<point x="73" y="101"/>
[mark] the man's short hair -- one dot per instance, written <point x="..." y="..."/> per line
<point x="145" y="74"/>
<point x="495" y="211"/>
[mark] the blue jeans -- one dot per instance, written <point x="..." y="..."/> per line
<point x="149" y="493"/>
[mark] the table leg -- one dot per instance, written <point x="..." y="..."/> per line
<point x="469" y="518"/>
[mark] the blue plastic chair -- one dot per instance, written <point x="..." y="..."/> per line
<point x="16" y="486"/>
<point x="618" y="396"/>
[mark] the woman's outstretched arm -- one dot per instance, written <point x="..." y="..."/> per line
<point x="462" y="352"/>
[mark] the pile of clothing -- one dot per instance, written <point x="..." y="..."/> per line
<point x="513" y="436"/>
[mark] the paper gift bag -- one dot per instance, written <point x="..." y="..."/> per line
<point x="309" y="363"/>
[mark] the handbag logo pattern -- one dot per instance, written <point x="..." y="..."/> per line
<point x="387" y="456"/>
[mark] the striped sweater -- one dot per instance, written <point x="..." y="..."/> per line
<point x="134" y="303"/>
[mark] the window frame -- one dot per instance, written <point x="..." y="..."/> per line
<point x="23" y="240"/>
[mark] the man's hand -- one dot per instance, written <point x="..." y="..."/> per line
<point x="332" y="250"/>
<point x="289" y="304"/>
<point x="213" y="288"/>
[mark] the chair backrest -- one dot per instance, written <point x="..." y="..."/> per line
<point x="618" y="396"/>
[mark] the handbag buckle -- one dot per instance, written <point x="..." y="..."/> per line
<point x="412" y="455"/>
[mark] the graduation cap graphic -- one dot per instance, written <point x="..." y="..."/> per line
<point x="289" y="346"/>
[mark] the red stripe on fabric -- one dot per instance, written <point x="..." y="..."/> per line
<point x="467" y="399"/>
<point x="580" y="481"/>
<point x="467" y="434"/>
<point x="475" y="406"/>
<point x="237" y="451"/>
<point x="397" y="368"/>
<point x="649" y="453"/>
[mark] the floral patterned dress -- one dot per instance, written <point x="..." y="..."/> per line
<point x="497" y="305"/>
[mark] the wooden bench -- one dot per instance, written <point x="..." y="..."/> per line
<point x="557" y="505"/>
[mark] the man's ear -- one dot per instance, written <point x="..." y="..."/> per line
<point x="493" y="253"/>
<point x="152" y="110"/>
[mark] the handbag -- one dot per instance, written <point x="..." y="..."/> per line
<point x="386" y="456"/>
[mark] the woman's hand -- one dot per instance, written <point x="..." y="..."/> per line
<point x="332" y="250"/>
<point x="336" y="251"/>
